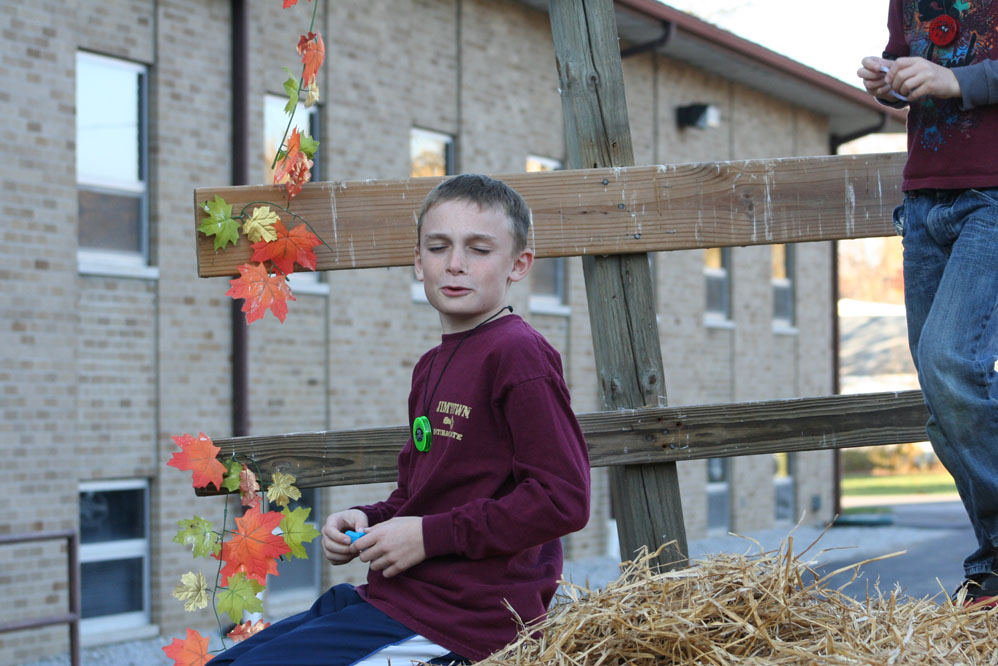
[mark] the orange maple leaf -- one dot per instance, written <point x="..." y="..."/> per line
<point x="291" y="247"/>
<point x="198" y="455"/>
<point x="248" y="488"/>
<point x="312" y="51"/>
<point x="294" y="169"/>
<point x="247" y="629"/>
<point x="261" y="291"/>
<point x="290" y="157"/>
<point x="254" y="548"/>
<point x="290" y="3"/>
<point x="192" y="651"/>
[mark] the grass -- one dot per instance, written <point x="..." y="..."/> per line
<point x="899" y="484"/>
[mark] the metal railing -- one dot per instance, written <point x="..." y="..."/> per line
<point x="73" y="616"/>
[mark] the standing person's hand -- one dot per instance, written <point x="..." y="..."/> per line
<point x="918" y="77"/>
<point x="335" y="544"/>
<point x="875" y="79"/>
<point x="393" y="546"/>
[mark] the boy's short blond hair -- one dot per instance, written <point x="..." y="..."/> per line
<point x="486" y="193"/>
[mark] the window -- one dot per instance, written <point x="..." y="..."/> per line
<point x="718" y="495"/>
<point x="783" y="286"/>
<point x="547" y="276"/>
<point x="275" y="122"/>
<point x="430" y="153"/>
<point x="717" y="273"/>
<point x="112" y="161"/>
<point x="114" y="554"/>
<point x="297" y="574"/>
<point x="783" y="487"/>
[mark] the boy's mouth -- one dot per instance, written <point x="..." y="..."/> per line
<point x="455" y="291"/>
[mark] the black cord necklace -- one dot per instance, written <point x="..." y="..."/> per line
<point x="422" y="431"/>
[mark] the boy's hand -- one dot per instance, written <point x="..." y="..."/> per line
<point x="875" y="80"/>
<point x="336" y="544"/>
<point x="393" y="546"/>
<point x="918" y="77"/>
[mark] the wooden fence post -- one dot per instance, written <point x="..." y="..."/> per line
<point x="619" y="288"/>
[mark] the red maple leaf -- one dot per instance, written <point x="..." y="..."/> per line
<point x="290" y="247"/>
<point x="261" y="291"/>
<point x="192" y="651"/>
<point x="198" y="455"/>
<point x="247" y="629"/>
<point x="312" y="51"/>
<point x="291" y="3"/>
<point x="254" y="548"/>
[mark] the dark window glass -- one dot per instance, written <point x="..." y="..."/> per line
<point x="112" y="515"/>
<point x="110" y="221"/>
<point x="717" y="273"/>
<point x="112" y="587"/>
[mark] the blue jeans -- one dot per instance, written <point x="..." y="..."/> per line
<point x="951" y="297"/>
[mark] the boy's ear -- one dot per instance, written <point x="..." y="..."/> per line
<point x="418" y="265"/>
<point x="521" y="265"/>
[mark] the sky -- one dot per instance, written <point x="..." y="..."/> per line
<point x="831" y="37"/>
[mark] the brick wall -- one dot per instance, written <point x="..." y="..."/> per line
<point x="98" y="372"/>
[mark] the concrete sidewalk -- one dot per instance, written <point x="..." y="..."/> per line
<point x="935" y="535"/>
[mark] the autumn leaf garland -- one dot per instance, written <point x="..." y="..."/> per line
<point x="276" y="249"/>
<point x="246" y="555"/>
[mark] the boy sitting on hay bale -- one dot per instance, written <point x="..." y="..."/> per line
<point x="496" y="470"/>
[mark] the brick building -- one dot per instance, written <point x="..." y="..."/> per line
<point x="114" y="111"/>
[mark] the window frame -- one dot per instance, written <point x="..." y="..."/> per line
<point x="122" y="549"/>
<point x="112" y="262"/>
<point x="549" y="303"/>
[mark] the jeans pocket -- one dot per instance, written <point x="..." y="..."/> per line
<point x="988" y="193"/>
<point x="898" y="217"/>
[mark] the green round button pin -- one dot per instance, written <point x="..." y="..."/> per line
<point x="422" y="433"/>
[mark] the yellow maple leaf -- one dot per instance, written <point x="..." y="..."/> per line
<point x="260" y="225"/>
<point x="313" y="94"/>
<point x="193" y="591"/>
<point x="282" y="489"/>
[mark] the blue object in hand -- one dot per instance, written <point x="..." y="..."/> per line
<point x="353" y="535"/>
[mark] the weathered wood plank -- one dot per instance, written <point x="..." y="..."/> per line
<point x="620" y="437"/>
<point x="601" y="211"/>
<point x="619" y="291"/>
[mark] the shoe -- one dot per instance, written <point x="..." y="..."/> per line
<point x="981" y="591"/>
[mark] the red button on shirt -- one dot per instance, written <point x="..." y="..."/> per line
<point x="943" y="30"/>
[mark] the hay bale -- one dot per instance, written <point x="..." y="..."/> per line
<point x="768" y="608"/>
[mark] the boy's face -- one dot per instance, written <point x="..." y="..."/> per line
<point x="466" y="262"/>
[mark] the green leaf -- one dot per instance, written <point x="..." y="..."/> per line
<point x="197" y="532"/>
<point x="295" y="531"/>
<point x="231" y="480"/>
<point x="239" y="596"/>
<point x="219" y="222"/>
<point x="291" y="88"/>
<point x="308" y="145"/>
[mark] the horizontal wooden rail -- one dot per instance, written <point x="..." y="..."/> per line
<point x="625" y="437"/>
<point x="370" y="224"/>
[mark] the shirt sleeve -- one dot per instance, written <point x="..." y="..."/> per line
<point x="978" y="83"/>
<point x="550" y="470"/>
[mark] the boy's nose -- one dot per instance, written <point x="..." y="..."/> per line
<point x="455" y="263"/>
